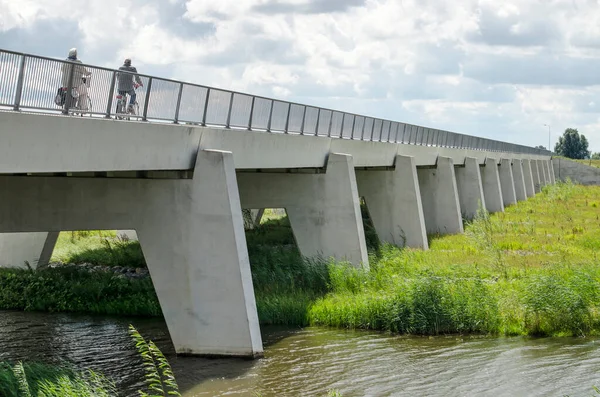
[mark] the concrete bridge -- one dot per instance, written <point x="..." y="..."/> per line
<point x="182" y="187"/>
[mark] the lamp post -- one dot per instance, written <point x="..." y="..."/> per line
<point x="548" y="125"/>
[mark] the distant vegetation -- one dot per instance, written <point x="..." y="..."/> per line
<point x="572" y="145"/>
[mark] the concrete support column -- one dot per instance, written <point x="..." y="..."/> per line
<point x="191" y="232"/>
<point x="548" y="168"/>
<point x="552" y="176"/>
<point x="394" y="202"/>
<point x="528" y="177"/>
<point x="507" y="182"/>
<point x="543" y="173"/>
<point x="519" y="179"/>
<point x="535" y="172"/>
<point x="36" y="249"/>
<point x="470" y="188"/>
<point x="492" y="190"/>
<point x="323" y="208"/>
<point x="439" y="196"/>
<point x="206" y="293"/>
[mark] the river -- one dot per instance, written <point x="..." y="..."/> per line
<point x="310" y="361"/>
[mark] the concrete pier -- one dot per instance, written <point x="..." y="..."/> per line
<point x="394" y="202"/>
<point x="519" y="179"/>
<point x="543" y="173"/>
<point x="323" y="208"/>
<point x="470" y="188"/>
<point x="35" y="249"/>
<point x="439" y="195"/>
<point x="528" y="176"/>
<point x="535" y="172"/>
<point x="492" y="189"/>
<point x="509" y="196"/>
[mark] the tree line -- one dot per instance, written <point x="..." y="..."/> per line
<point x="573" y="145"/>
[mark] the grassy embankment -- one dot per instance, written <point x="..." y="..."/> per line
<point x="531" y="270"/>
<point x="591" y="163"/>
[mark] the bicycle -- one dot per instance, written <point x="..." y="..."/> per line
<point x="124" y="111"/>
<point x="72" y="101"/>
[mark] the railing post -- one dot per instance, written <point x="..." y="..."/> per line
<point x="389" y="131"/>
<point x="372" y="130"/>
<point x="270" y="116"/>
<point x="353" y="125"/>
<point x="251" y="114"/>
<point x="362" y="133"/>
<point x="330" y="124"/>
<point x="318" y="119"/>
<point x="381" y="131"/>
<point x="69" y="96"/>
<point x="206" y="99"/>
<point x="228" y="122"/>
<point x="147" y="100"/>
<point x="343" y="121"/>
<point x="176" y="121"/>
<point x="111" y="93"/>
<point x="20" y="79"/>
<point x="287" y="119"/>
<point x="303" y="119"/>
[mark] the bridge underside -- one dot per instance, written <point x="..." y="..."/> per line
<point x="183" y="189"/>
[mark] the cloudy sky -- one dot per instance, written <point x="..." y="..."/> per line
<point x="497" y="69"/>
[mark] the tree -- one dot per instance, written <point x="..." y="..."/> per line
<point x="541" y="147"/>
<point x="596" y="156"/>
<point x="572" y="145"/>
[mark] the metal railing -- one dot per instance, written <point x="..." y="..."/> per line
<point x="31" y="82"/>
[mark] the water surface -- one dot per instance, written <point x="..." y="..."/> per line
<point x="308" y="362"/>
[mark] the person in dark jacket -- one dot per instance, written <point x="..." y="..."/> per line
<point x="126" y="82"/>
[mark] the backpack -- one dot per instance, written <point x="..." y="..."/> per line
<point x="61" y="96"/>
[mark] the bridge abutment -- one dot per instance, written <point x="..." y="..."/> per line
<point x="394" y="202"/>
<point x="323" y="208"/>
<point x="492" y="189"/>
<point x="470" y="188"/>
<point x="439" y="197"/>
<point x="509" y="197"/>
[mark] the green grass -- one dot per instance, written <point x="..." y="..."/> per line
<point x="592" y="163"/>
<point x="37" y="379"/>
<point x="76" y="290"/>
<point x="98" y="247"/>
<point x="533" y="270"/>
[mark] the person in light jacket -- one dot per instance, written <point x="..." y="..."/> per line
<point x="78" y="82"/>
<point x="126" y="82"/>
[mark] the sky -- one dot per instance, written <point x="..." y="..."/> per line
<point x="495" y="69"/>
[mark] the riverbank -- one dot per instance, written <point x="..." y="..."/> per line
<point x="533" y="270"/>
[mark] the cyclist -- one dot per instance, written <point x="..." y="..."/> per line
<point x="126" y="82"/>
<point x="79" y="85"/>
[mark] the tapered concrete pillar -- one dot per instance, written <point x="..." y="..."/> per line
<point x="507" y="183"/>
<point x="35" y="249"/>
<point x="439" y="196"/>
<point x="206" y="293"/>
<point x="552" y="176"/>
<point x="190" y="230"/>
<point x="394" y="202"/>
<point x="528" y="178"/>
<point x="548" y="167"/>
<point x="324" y="208"/>
<point x="519" y="179"/>
<point x="470" y="188"/>
<point x="492" y="190"/>
<point x="543" y="173"/>
<point x="535" y="172"/>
